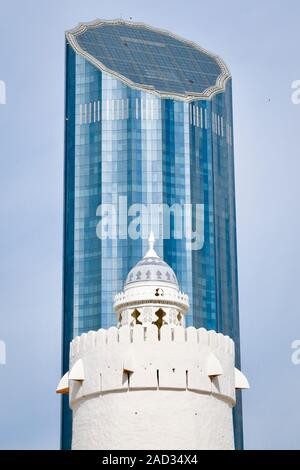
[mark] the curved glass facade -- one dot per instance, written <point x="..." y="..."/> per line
<point x="127" y="145"/>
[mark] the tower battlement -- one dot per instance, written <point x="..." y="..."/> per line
<point x="125" y="359"/>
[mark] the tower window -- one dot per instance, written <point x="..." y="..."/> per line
<point x="135" y="315"/>
<point x="160" y="321"/>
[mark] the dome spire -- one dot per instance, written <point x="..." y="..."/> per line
<point x="151" y="240"/>
<point x="151" y="253"/>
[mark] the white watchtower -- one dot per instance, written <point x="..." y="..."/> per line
<point x="151" y="383"/>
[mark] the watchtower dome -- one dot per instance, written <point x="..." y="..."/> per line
<point x="151" y="294"/>
<point x="151" y="383"/>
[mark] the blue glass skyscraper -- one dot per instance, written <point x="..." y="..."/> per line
<point x="148" y="121"/>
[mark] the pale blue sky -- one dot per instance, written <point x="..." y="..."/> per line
<point x="259" y="41"/>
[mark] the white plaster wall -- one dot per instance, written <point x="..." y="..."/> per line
<point x="152" y="419"/>
<point x="167" y="401"/>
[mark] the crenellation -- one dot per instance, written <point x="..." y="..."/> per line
<point x="179" y="334"/>
<point x="151" y="334"/>
<point x="213" y="339"/>
<point x="178" y="354"/>
<point x="82" y="343"/>
<point x="91" y="339"/>
<point x="112" y="335"/>
<point x="191" y="335"/>
<point x="125" y="334"/>
<point x="203" y="336"/>
<point x="140" y="333"/>
<point x="166" y="333"/>
<point x="227" y="346"/>
<point x="75" y="346"/>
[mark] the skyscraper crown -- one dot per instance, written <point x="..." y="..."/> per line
<point x="150" y="59"/>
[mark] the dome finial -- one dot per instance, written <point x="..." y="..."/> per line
<point x="151" y="240"/>
<point x="151" y="253"/>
